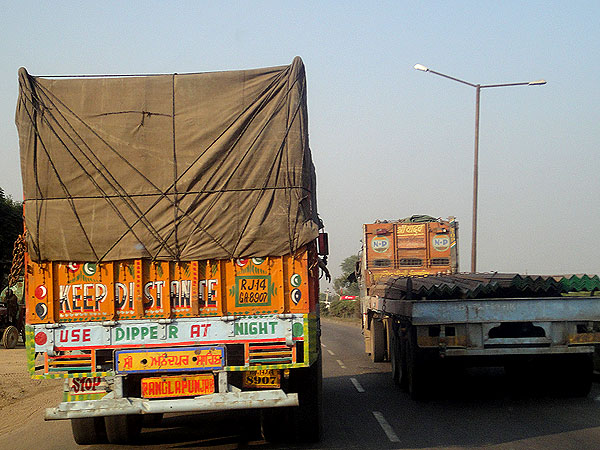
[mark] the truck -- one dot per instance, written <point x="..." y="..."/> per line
<point x="428" y="319"/>
<point x="416" y="245"/>
<point x="173" y="249"/>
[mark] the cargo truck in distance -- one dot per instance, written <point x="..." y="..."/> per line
<point x="426" y="318"/>
<point x="173" y="256"/>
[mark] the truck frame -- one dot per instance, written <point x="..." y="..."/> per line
<point x="419" y="337"/>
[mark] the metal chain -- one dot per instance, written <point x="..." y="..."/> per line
<point x="18" y="261"/>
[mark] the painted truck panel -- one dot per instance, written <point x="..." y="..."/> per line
<point x="406" y="249"/>
<point x="142" y="289"/>
<point x="94" y="308"/>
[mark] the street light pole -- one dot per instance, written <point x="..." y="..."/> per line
<point x="478" y="88"/>
<point x="475" y="182"/>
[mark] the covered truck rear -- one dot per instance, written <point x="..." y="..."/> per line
<point x="171" y="231"/>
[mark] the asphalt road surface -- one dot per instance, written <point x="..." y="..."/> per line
<point x="363" y="409"/>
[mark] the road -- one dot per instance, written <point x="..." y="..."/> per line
<point x="363" y="409"/>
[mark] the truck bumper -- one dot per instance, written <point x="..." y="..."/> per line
<point x="208" y="403"/>
<point x="563" y="350"/>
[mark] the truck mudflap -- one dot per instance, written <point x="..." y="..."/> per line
<point x="107" y="406"/>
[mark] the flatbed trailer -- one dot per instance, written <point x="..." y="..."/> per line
<point x="421" y="335"/>
<point x="423" y="316"/>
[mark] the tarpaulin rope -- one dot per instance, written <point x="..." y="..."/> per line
<point x="102" y="172"/>
<point x="59" y="179"/>
<point x="176" y="201"/>
<point x="264" y="98"/>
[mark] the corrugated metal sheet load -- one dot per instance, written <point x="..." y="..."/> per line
<point x="483" y="285"/>
<point x="578" y="283"/>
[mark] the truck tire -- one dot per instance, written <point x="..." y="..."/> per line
<point x="395" y="359"/>
<point x="578" y="375"/>
<point x="89" y="430"/>
<point x="303" y="423"/>
<point x="416" y="372"/>
<point x="275" y="425"/>
<point x="308" y="417"/>
<point x="123" y="429"/>
<point x="152" y="420"/>
<point x="10" y="337"/>
<point x="388" y="328"/>
<point x="403" y="360"/>
<point x="398" y="357"/>
<point x="377" y="340"/>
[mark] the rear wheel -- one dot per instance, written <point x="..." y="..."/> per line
<point x="274" y="424"/>
<point x="377" y="340"/>
<point x="152" y="420"/>
<point x="395" y="358"/>
<point x="416" y="371"/>
<point x="123" y="429"/>
<point x="308" y="417"/>
<point x="398" y="357"/>
<point x="89" y="430"/>
<point x="578" y="373"/>
<point x="303" y="423"/>
<point x="10" y="337"/>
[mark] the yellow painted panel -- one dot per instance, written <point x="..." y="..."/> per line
<point x="170" y="360"/>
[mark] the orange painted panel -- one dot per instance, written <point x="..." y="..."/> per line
<point x="409" y="249"/>
<point x="137" y="289"/>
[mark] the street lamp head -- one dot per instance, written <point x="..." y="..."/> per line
<point x="537" y="83"/>
<point x="421" y="67"/>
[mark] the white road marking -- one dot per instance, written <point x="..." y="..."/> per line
<point x="323" y="345"/>
<point x="341" y="364"/>
<point x="357" y="385"/>
<point x="330" y="352"/>
<point x="387" y="428"/>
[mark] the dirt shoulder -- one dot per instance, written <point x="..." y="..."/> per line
<point x="20" y="396"/>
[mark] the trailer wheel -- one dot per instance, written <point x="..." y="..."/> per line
<point x="123" y="429"/>
<point x="415" y="368"/>
<point x="398" y="358"/>
<point x="377" y="340"/>
<point x="395" y="359"/>
<point x="89" y="430"/>
<point x="578" y="375"/>
<point x="10" y="337"/>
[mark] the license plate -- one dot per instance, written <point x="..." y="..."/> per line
<point x="178" y="386"/>
<point x="253" y="290"/>
<point x="266" y="378"/>
<point x="170" y="359"/>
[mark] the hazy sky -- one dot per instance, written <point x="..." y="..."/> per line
<point x="388" y="141"/>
